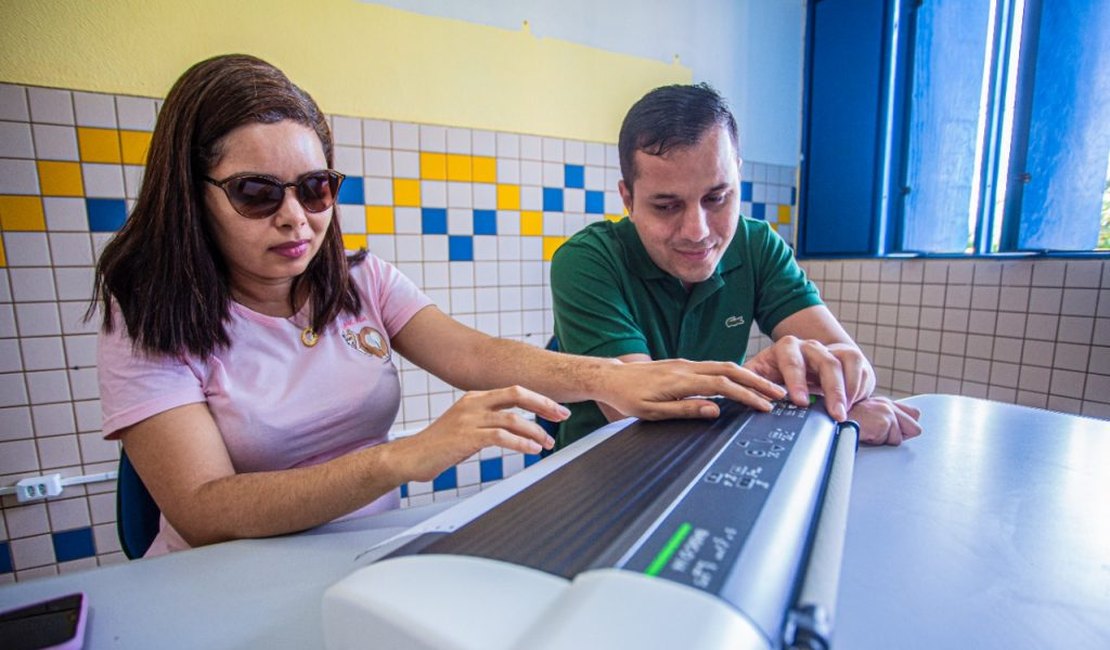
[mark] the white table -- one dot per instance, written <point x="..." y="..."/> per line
<point x="991" y="530"/>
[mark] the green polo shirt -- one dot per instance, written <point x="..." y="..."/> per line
<point x="610" y="299"/>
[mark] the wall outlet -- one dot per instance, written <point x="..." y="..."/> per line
<point x="34" y="488"/>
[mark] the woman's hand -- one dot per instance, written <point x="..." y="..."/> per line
<point x="480" y="419"/>
<point x="676" y="388"/>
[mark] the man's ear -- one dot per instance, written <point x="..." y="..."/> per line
<point x="626" y="195"/>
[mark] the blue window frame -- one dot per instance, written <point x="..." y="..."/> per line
<point x="954" y="126"/>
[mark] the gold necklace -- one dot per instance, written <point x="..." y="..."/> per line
<point x="309" y="337"/>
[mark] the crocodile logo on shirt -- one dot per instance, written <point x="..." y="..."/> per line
<point x="368" y="341"/>
<point x="734" y="321"/>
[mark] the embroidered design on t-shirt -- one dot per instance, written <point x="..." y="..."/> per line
<point x="734" y="321"/>
<point x="368" y="341"/>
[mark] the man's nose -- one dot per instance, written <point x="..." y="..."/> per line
<point x="695" y="223"/>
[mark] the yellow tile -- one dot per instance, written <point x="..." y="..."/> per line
<point x="354" y="242"/>
<point x="550" y="245"/>
<point x="784" y="214"/>
<point x="134" y="144"/>
<point x="379" y="220"/>
<point x="458" y="168"/>
<point x="3" y="258"/>
<point x="22" y="213"/>
<point x="485" y="169"/>
<point x="531" y="223"/>
<point x="406" y="192"/>
<point x="433" y="166"/>
<point x="60" y="178"/>
<point x="98" y="145"/>
<point x="508" y="197"/>
<point x="614" y="217"/>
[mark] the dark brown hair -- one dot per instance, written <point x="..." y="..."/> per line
<point x="163" y="268"/>
<point x="669" y="117"/>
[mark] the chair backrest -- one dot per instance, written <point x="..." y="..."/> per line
<point x="137" y="515"/>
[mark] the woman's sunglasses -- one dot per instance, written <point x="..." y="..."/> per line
<point x="256" y="196"/>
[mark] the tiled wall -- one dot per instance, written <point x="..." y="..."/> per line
<point x="471" y="216"/>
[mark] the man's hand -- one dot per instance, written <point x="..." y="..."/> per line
<point x="839" y="371"/>
<point x="884" y="422"/>
<point x="676" y="388"/>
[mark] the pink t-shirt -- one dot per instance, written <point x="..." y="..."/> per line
<point x="278" y="403"/>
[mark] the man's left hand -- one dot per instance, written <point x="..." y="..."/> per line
<point x="885" y="422"/>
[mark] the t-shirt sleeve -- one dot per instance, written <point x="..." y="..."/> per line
<point x="592" y="315"/>
<point x="135" y="386"/>
<point x="781" y="285"/>
<point x="391" y="291"/>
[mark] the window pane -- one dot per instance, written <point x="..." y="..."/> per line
<point x="945" y="130"/>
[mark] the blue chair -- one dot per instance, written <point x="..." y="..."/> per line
<point x="137" y="515"/>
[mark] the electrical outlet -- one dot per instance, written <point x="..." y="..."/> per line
<point x="34" y="488"/>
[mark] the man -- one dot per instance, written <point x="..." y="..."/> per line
<point x="685" y="276"/>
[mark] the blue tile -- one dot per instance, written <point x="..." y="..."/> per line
<point x="433" y="221"/>
<point x="73" y="544"/>
<point x="485" y="222"/>
<point x="491" y="469"/>
<point x="574" y="176"/>
<point x="460" y="248"/>
<point x="552" y="199"/>
<point x="595" y="202"/>
<point x="5" y="558"/>
<point x="759" y="211"/>
<point x="448" y="480"/>
<point x="404" y="490"/>
<point x="106" y="215"/>
<point x="350" y="192"/>
<point x="745" y="190"/>
<point x="531" y="459"/>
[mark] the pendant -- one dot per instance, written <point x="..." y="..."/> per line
<point x="309" y="337"/>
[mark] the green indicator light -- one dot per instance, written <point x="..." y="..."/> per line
<point x="664" y="556"/>
<point x="812" y="400"/>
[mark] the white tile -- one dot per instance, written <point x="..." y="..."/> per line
<point x="574" y="200"/>
<point x="26" y="520"/>
<point x="132" y="183"/>
<point x="10" y="357"/>
<point x="460" y="221"/>
<point x="15" y="424"/>
<point x="136" y="113"/>
<point x="485" y="196"/>
<point x="531" y="147"/>
<point x="406" y="136"/>
<point x="406" y="164"/>
<point x="1013" y="299"/>
<point x="433" y="194"/>
<point x="5" y="290"/>
<point x="383" y="246"/>
<point x="64" y="213"/>
<point x="38" y="319"/>
<point x="1017" y="274"/>
<point x="347" y="130"/>
<point x="531" y="197"/>
<point x="1075" y="329"/>
<point x="50" y="105"/>
<point x="377" y="191"/>
<point x="1071" y="356"/>
<point x="1037" y="353"/>
<point x="960" y="272"/>
<point x="433" y="138"/>
<point x="88" y="415"/>
<point x="988" y="272"/>
<point x="595" y="154"/>
<point x="408" y="250"/>
<point x="612" y="157"/>
<point x="1042" y="326"/>
<point x="435" y="248"/>
<point x="48" y="386"/>
<point x="42" y="353"/>
<point x="553" y="150"/>
<point x="1049" y="273"/>
<point x="595" y="178"/>
<point x="1102" y="332"/>
<point x="436" y="275"/>
<point x="1034" y="399"/>
<point x="379" y="162"/>
<point x="1045" y="300"/>
<point x="95" y="449"/>
<point x="484" y="143"/>
<point x="18" y="176"/>
<point x="1079" y="302"/>
<point x="58" y="451"/>
<point x="508" y="171"/>
<point x="81" y="350"/>
<point x="72" y="249"/>
<point x="13" y="103"/>
<point x="103" y="180"/>
<point x="95" y="109"/>
<point x="1083" y="274"/>
<point x="508" y="145"/>
<point x="554" y="174"/>
<point x="1103" y="302"/>
<point x="73" y="318"/>
<point x="352" y="220"/>
<point x="53" y="419"/>
<point x="376" y="133"/>
<point x="458" y="140"/>
<point x="459" y="195"/>
<point x="27" y="248"/>
<point x="13" y="392"/>
<point x="1067" y="383"/>
<point x="1010" y="324"/>
<point x="574" y="152"/>
<point x="15" y="140"/>
<point x="462" y="300"/>
<point x="1097" y="388"/>
<point x="531" y="172"/>
<point x="348" y="160"/>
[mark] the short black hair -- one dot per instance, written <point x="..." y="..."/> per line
<point x="669" y="117"/>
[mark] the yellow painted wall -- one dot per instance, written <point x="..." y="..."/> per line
<point x="355" y="58"/>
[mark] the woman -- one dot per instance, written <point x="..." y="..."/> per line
<point x="247" y="364"/>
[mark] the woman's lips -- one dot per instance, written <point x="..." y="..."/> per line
<point x="292" y="250"/>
